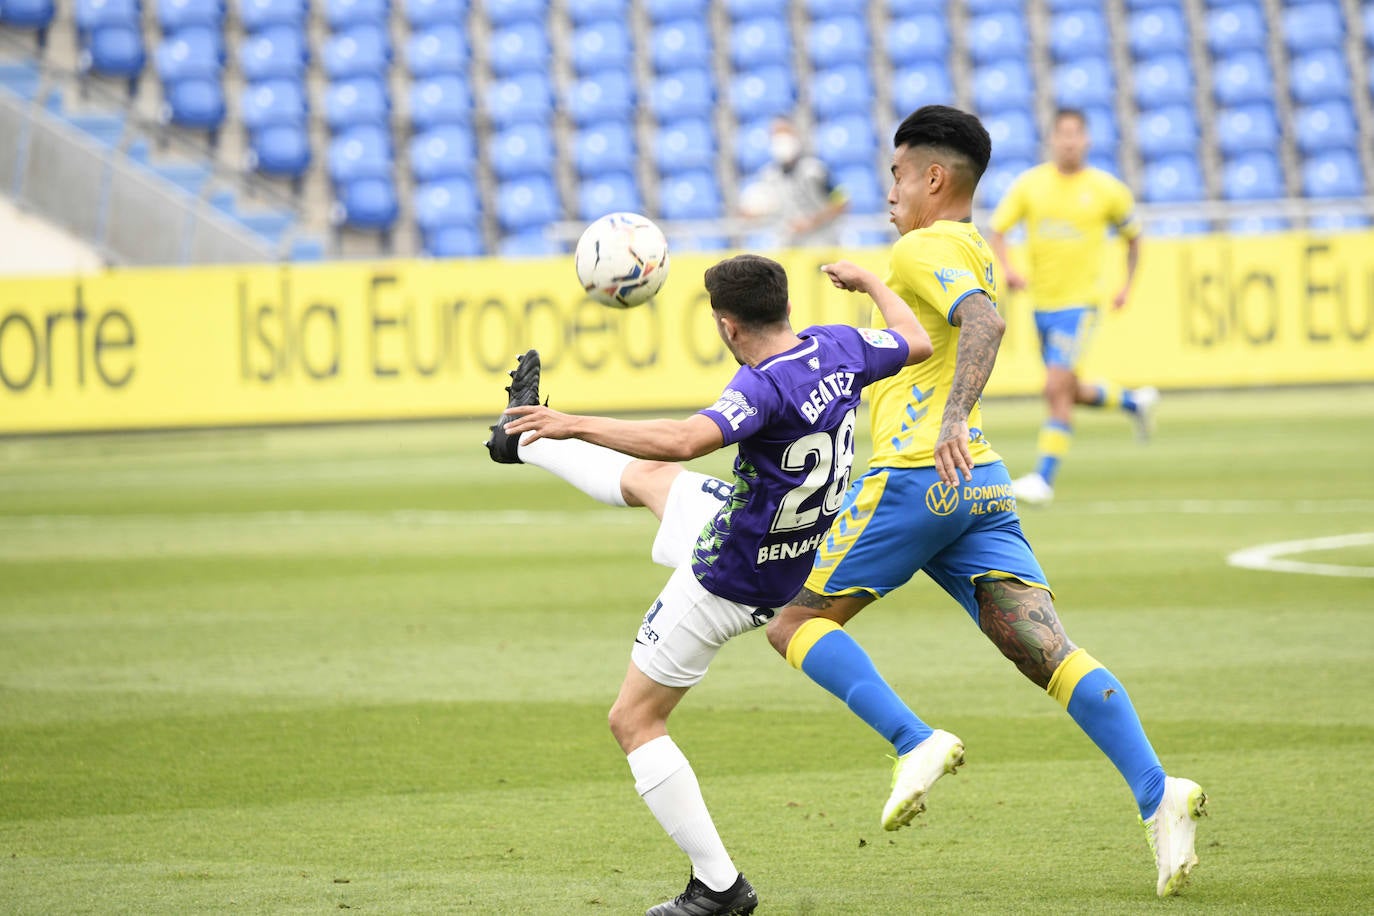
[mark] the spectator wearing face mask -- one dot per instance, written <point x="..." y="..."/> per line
<point x="794" y="194"/>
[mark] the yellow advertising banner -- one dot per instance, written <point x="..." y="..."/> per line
<point x="144" y="349"/>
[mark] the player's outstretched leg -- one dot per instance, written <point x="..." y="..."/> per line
<point x="1172" y="833"/>
<point x="1137" y="403"/>
<point x="522" y="391"/>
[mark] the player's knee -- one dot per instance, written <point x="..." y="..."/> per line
<point x="624" y="724"/>
<point x="646" y="483"/>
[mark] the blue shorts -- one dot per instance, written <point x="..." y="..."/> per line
<point x="1064" y="335"/>
<point x="896" y="521"/>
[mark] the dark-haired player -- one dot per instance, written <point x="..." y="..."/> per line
<point x="937" y="499"/>
<point x="739" y="550"/>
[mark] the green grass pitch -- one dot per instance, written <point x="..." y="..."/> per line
<point x="313" y="670"/>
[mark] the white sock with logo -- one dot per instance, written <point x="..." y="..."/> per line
<point x="664" y="779"/>
<point x="593" y="469"/>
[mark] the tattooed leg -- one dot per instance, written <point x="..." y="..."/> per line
<point x="1021" y="622"/>
<point x="807" y="605"/>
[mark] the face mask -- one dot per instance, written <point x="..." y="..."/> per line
<point x="785" y="148"/>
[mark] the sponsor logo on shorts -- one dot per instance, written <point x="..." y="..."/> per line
<point x="941" y="498"/>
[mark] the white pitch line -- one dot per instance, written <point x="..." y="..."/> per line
<point x="1266" y="556"/>
<point x="419" y="518"/>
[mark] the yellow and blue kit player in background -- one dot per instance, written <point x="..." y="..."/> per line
<point x="937" y="498"/>
<point x="1067" y="208"/>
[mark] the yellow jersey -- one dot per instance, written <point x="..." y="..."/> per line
<point x="1066" y="218"/>
<point x="933" y="269"/>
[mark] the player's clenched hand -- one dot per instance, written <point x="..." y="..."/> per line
<point x="952" y="454"/>
<point x="539" y="422"/>
<point x="1015" y="281"/>
<point x="850" y="276"/>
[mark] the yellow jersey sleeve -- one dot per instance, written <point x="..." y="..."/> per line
<point x="1121" y="209"/>
<point x="940" y="274"/>
<point x="1012" y="208"/>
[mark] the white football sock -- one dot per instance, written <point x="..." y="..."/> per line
<point x="664" y="779"/>
<point x="594" y="470"/>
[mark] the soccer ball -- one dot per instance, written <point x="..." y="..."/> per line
<point x="622" y="260"/>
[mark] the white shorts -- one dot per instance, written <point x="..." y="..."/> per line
<point x="687" y="625"/>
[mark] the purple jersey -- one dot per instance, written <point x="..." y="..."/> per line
<point x="793" y="419"/>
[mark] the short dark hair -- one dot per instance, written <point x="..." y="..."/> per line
<point x="750" y="288"/>
<point x="1062" y="113"/>
<point x="950" y="131"/>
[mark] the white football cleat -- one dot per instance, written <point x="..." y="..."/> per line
<point x="1172" y="830"/>
<point x="1032" y="489"/>
<point x="915" y="772"/>
<point x="1146" y="401"/>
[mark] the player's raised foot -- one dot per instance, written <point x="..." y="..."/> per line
<point x="1033" y="490"/>
<point x="699" y="900"/>
<point x="522" y="390"/>
<point x="1172" y="831"/>
<point x="915" y="772"/>
<point x="1146" y="402"/>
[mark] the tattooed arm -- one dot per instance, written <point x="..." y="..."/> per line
<point x="980" y="333"/>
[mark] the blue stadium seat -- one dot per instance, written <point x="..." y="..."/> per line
<point x="1102" y="126"/>
<point x="915" y="38"/>
<point x="522" y="149"/>
<point x="518" y="48"/>
<point x="761" y="92"/>
<point x="1368" y="17"/>
<point x="921" y="84"/>
<point x="997" y="36"/>
<point x="27" y="14"/>
<point x="1257" y="225"/>
<point x="682" y="94"/>
<point x="439" y="100"/>
<point x="605" y="147"/>
<point x="900" y="8"/>
<point x="837" y="40"/>
<point x="360" y="101"/>
<point x="1252" y="176"/>
<point x="840" y="90"/>
<point x="1179" y="227"/>
<point x="443" y="152"/>
<point x="197" y="103"/>
<point x="1175" y="179"/>
<point x="1167" y="131"/>
<point x="526" y="203"/>
<point x="1078" y="33"/>
<point x="523" y="97"/>
<point x="256" y="15"/>
<point x="505" y="12"/>
<point x="190" y="54"/>
<point x="1319" y="76"/>
<point x="991" y="6"/>
<point x="1084" y="82"/>
<point x="601" y="46"/>
<point x="113" y="50"/>
<point x="175" y="15"/>
<point x="685" y="146"/>
<point x="665" y="10"/>
<point x="690" y="195"/>
<point x="1164" y="80"/>
<point x="1337" y="222"/>
<point x="760" y="42"/>
<point x="1325" y="125"/>
<point x="455" y="242"/>
<point x="1003" y="85"/>
<point x="105" y="129"/>
<point x="1013" y="133"/>
<point x="1236" y="27"/>
<point x="424" y="14"/>
<point x="1241" y="78"/>
<point x="609" y="192"/>
<point x="361" y="51"/>
<point x="533" y="244"/>
<point x="751" y="145"/>
<point x="1335" y="173"/>
<point x="443" y="203"/>
<point x="437" y="49"/>
<point x="680" y="43"/>
<point x="273" y="102"/>
<point x="1311" y="25"/>
<point x="1158" y="30"/>
<point x="745" y="9"/>
<point x="584" y="12"/>
<point x="345" y="14"/>
<point x="822" y="8"/>
<point x="860" y="184"/>
<point x="1247" y="128"/>
<point x="98" y="14"/>
<point x="363" y="152"/>
<point x="281" y="149"/>
<point x="607" y="95"/>
<point x="369" y="203"/>
<point x="1002" y="171"/>
<point x="846" y="140"/>
<point x="1105" y="161"/>
<point x="272" y="53"/>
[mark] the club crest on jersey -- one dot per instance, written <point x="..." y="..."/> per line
<point x="883" y="340"/>
<point x="941" y="498"/>
<point x="948" y="275"/>
<point x="734" y="406"/>
<point x="814" y="364"/>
